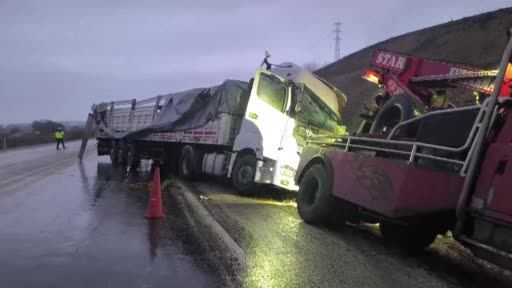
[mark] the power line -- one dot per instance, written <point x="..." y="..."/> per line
<point x="337" y="40"/>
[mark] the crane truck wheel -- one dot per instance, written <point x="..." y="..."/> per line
<point x="410" y="238"/>
<point x="187" y="160"/>
<point x="243" y="174"/>
<point x="114" y="154"/>
<point x="314" y="201"/>
<point x="397" y="109"/>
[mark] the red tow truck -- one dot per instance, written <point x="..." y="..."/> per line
<point x="444" y="169"/>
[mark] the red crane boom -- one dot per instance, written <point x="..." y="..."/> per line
<point x="419" y="79"/>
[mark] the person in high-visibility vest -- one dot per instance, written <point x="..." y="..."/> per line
<point x="59" y="136"/>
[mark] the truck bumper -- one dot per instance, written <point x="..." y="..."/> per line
<point x="275" y="173"/>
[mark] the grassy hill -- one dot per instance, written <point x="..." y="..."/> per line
<point x="478" y="41"/>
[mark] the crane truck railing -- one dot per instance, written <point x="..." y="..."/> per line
<point x="411" y="149"/>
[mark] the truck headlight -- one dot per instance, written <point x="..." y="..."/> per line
<point x="287" y="171"/>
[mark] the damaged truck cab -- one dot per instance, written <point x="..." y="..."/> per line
<point x="287" y="104"/>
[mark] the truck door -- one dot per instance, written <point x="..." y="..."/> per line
<point x="289" y="149"/>
<point x="266" y="110"/>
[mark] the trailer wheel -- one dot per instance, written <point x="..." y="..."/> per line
<point x="244" y="171"/>
<point x="397" y="109"/>
<point x="409" y="238"/>
<point x="314" y="201"/>
<point x="114" y="154"/>
<point x="132" y="159"/>
<point x="187" y="158"/>
<point x="122" y="154"/>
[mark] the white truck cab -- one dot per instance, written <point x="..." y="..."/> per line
<point x="283" y="104"/>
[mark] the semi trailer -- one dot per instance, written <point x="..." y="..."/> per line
<point x="444" y="170"/>
<point x="252" y="132"/>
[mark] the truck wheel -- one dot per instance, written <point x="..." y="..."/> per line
<point x="132" y="159"/>
<point x="187" y="159"/>
<point x="397" y="109"/>
<point x="122" y="154"/>
<point x="244" y="171"/>
<point x="411" y="239"/>
<point x="114" y="154"/>
<point x="314" y="201"/>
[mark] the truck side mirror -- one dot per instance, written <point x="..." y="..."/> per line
<point x="265" y="62"/>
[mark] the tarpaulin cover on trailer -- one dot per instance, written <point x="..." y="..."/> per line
<point x="195" y="107"/>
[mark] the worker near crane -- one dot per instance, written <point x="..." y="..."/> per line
<point x="59" y="136"/>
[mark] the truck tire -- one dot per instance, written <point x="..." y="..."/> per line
<point x="315" y="203"/>
<point x="114" y="154"/>
<point x="397" y="109"/>
<point x="409" y="238"/>
<point x="132" y="158"/>
<point x="243" y="174"/>
<point x="187" y="160"/>
<point x="122" y="154"/>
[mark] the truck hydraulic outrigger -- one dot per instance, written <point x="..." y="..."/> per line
<point x="411" y="86"/>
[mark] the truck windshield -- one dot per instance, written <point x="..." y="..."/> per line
<point x="314" y="113"/>
<point x="272" y="91"/>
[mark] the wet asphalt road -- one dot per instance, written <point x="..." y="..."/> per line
<point x="283" y="251"/>
<point x="66" y="224"/>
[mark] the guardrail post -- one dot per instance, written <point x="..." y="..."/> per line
<point x="5" y="143"/>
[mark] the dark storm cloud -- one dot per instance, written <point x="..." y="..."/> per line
<point x="59" y="57"/>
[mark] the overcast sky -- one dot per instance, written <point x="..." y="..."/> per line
<point x="59" y="57"/>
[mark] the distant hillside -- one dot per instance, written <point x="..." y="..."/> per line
<point x="478" y="40"/>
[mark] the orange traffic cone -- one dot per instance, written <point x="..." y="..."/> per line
<point x="155" y="209"/>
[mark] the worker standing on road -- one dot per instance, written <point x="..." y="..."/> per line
<point x="59" y="136"/>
